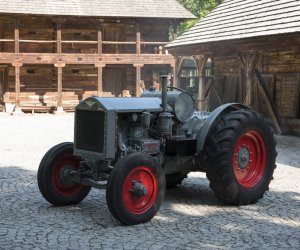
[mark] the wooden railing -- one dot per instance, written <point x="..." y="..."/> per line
<point x="138" y="44"/>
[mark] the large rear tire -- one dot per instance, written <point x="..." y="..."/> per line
<point x="135" y="189"/>
<point x="51" y="185"/>
<point x="241" y="153"/>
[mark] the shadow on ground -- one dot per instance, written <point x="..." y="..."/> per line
<point x="187" y="210"/>
<point x="191" y="216"/>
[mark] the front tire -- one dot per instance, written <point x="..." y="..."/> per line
<point x="241" y="151"/>
<point x="135" y="189"/>
<point x="51" y="186"/>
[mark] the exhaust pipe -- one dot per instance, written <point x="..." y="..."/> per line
<point x="164" y="89"/>
<point x="165" y="121"/>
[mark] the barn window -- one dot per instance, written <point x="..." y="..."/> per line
<point x="31" y="33"/>
<point x="75" y="71"/>
<point x="30" y="71"/>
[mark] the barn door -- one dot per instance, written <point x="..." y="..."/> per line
<point x="112" y="80"/>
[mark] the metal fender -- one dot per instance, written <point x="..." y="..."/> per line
<point x="205" y="129"/>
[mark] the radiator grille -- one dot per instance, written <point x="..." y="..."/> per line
<point x="90" y="130"/>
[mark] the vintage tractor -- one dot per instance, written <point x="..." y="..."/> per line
<point x="136" y="147"/>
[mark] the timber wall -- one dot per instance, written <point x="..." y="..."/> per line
<point x="281" y="71"/>
<point x="35" y="45"/>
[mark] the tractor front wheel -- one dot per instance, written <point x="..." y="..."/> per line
<point x="135" y="189"/>
<point x="241" y="151"/>
<point x="53" y="187"/>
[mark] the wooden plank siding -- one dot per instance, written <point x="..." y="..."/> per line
<point x="280" y="70"/>
<point x="77" y="48"/>
<point x="282" y="61"/>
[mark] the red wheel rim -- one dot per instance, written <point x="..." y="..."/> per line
<point x="249" y="159"/>
<point x="64" y="189"/>
<point x="140" y="204"/>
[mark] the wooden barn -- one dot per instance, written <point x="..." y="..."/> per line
<point x="54" y="53"/>
<point x="254" y="47"/>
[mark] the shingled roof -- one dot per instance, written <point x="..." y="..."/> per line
<point x="239" y="19"/>
<point x="98" y="8"/>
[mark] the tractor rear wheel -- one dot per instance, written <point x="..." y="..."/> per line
<point x="135" y="189"/>
<point x="54" y="189"/>
<point x="241" y="151"/>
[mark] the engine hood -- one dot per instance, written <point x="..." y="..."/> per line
<point x="121" y="104"/>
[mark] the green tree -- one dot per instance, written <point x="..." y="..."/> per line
<point x="200" y="8"/>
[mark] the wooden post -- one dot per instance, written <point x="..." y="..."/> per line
<point x="1" y="36"/>
<point x="17" y="37"/>
<point x="1" y="86"/>
<point x="200" y="62"/>
<point x="138" y="39"/>
<point x="138" y="68"/>
<point x="17" y="66"/>
<point x="174" y="82"/>
<point x="58" y="37"/>
<point x="59" y="108"/>
<point x="178" y="64"/>
<point x="99" y="31"/>
<point x="100" y="79"/>
<point x="249" y="61"/>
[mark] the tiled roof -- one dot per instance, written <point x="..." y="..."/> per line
<point x="238" y="19"/>
<point x="98" y="8"/>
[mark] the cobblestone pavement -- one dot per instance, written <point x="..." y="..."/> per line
<point x="191" y="217"/>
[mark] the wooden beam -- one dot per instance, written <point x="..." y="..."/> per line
<point x="51" y="58"/>
<point x="17" y="85"/>
<point x="37" y="41"/>
<point x="7" y="40"/>
<point x="174" y="82"/>
<point x="17" y="36"/>
<point x="178" y="64"/>
<point x="201" y="62"/>
<point x="232" y="47"/>
<point x="59" y="108"/>
<point x="1" y="36"/>
<point x="138" y="39"/>
<point x="58" y="37"/>
<point x="99" y="34"/>
<point x="2" y="87"/>
<point x="118" y="43"/>
<point x="138" y="68"/>
<point x="271" y="107"/>
<point x="249" y="61"/>
<point x="59" y="86"/>
<point x="100" y="79"/>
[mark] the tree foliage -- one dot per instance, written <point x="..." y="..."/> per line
<point x="200" y="8"/>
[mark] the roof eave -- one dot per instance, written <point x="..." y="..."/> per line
<point x="230" y="44"/>
<point x="181" y="18"/>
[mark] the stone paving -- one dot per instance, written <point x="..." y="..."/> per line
<point x="191" y="217"/>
